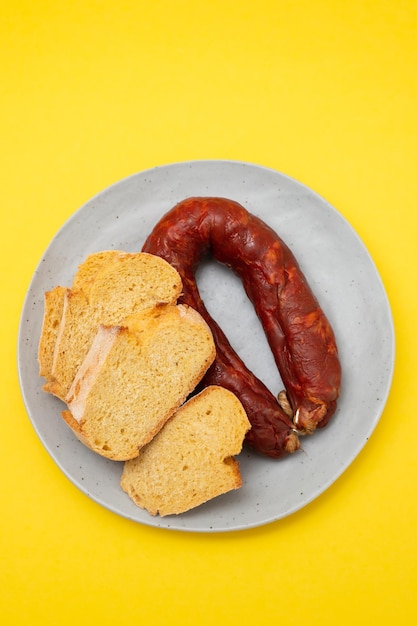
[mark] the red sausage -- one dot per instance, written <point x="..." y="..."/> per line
<point x="299" y="334"/>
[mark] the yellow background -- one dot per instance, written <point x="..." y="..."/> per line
<point x="324" y="91"/>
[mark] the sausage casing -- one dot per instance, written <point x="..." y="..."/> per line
<point x="298" y="332"/>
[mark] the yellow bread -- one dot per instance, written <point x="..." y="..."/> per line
<point x="89" y="268"/>
<point x="108" y="287"/>
<point x="53" y="307"/>
<point x="130" y="283"/>
<point x="135" y="376"/>
<point x="191" y="460"/>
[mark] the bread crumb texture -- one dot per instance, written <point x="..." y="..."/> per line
<point x="134" y="378"/>
<point x="125" y="358"/>
<point x="191" y="460"/>
<point x="53" y="308"/>
<point x="107" y="287"/>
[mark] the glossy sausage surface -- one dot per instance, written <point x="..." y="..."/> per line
<point x="298" y="332"/>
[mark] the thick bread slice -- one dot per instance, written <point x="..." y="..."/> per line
<point x="53" y="308"/>
<point x="75" y="334"/>
<point x="89" y="268"/>
<point x="134" y="378"/>
<point x="190" y="461"/>
<point x="117" y="285"/>
<point x="130" y="283"/>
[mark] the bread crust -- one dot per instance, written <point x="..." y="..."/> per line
<point x="53" y="306"/>
<point x="134" y="377"/>
<point x="108" y="287"/>
<point x="125" y="357"/>
<point x="191" y="460"/>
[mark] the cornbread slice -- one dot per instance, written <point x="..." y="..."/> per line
<point x="130" y="283"/>
<point x="191" y="460"/>
<point x="109" y="287"/>
<point x="53" y="308"/>
<point x="75" y="333"/>
<point x="135" y="376"/>
<point x="89" y="268"/>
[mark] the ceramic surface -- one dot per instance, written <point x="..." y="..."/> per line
<point x="340" y="272"/>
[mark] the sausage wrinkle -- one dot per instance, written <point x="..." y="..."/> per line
<point x="298" y="332"/>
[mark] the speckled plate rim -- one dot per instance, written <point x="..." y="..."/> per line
<point x="341" y="273"/>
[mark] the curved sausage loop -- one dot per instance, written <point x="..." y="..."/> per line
<point x="300" y="336"/>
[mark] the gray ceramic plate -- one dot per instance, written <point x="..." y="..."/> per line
<point x="343" y="277"/>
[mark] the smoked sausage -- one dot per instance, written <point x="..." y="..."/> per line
<point x="298" y="332"/>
